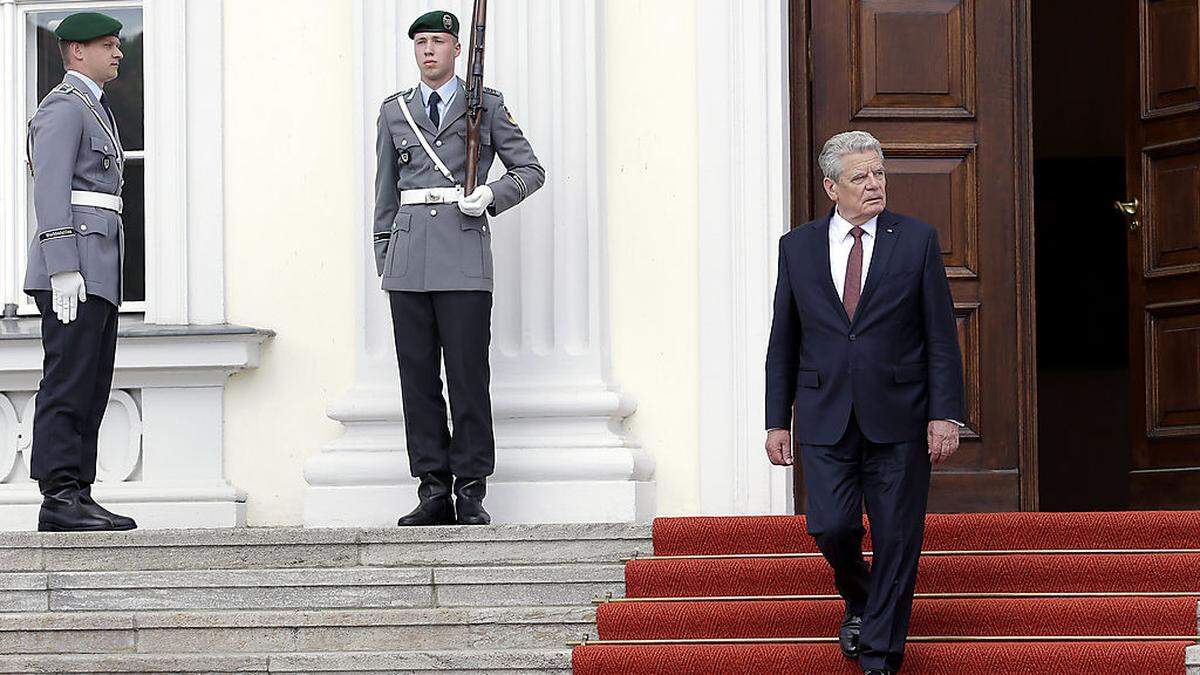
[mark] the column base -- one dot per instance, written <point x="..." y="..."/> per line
<point x="154" y="507"/>
<point x="508" y="503"/>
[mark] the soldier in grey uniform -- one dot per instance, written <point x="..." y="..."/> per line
<point x="433" y="251"/>
<point x="74" y="271"/>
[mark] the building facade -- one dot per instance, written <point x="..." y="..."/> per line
<point x="256" y="381"/>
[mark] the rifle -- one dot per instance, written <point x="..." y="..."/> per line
<point x="475" y="93"/>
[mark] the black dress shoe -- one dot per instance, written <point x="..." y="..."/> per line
<point x="848" y="635"/>
<point x="87" y="503"/>
<point x="468" y="498"/>
<point x="435" y="507"/>
<point x="62" y="512"/>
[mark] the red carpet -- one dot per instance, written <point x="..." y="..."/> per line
<point x="1144" y="561"/>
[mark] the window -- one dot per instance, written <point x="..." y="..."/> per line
<point x="38" y="71"/>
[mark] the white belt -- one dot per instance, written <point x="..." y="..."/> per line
<point x="101" y="200"/>
<point x="443" y="195"/>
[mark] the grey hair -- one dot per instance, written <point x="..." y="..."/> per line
<point x="845" y="143"/>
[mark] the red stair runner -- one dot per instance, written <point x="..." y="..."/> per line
<point x="1132" y="553"/>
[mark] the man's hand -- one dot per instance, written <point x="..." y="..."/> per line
<point x="779" y="447"/>
<point x="68" y="290"/>
<point x="943" y="440"/>
<point x="477" y="202"/>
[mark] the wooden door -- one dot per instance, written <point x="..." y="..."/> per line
<point x="1163" y="176"/>
<point x="938" y="83"/>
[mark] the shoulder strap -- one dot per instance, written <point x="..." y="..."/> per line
<point x="437" y="161"/>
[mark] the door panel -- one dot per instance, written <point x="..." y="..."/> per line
<point x="934" y="80"/>
<point x="1163" y="169"/>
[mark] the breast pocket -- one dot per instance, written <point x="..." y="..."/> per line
<point x="396" y="264"/>
<point x="106" y="159"/>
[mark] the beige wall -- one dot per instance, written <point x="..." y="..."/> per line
<point x="290" y="238"/>
<point x="652" y="200"/>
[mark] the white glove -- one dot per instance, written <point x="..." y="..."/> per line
<point x="68" y="291"/>
<point x="477" y="202"/>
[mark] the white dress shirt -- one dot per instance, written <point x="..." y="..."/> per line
<point x="97" y="90"/>
<point x="447" y="91"/>
<point x="840" y="243"/>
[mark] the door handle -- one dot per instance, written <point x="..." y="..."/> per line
<point x="1130" y="209"/>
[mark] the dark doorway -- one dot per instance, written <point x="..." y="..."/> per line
<point x="1081" y="281"/>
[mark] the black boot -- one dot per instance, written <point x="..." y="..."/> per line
<point x="468" y="498"/>
<point x="436" y="506"/>
<point x="62" y="512"/>
<point x="86" y="502"/>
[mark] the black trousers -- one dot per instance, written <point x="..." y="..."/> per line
<point x="456" y="326"/>
<point x="77" y="373"/>
<point x="893" y="480"/>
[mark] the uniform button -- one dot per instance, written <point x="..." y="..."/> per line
<point x="852" y="337"/>
<point x="404" y="141"/>
<point x="433" y="212"/>
<point x="438" y="143"/>
<point x="83" y="228"/>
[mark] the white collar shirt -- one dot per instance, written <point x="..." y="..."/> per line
<point x="447" y="92"/>
<point x="840" y="243"/>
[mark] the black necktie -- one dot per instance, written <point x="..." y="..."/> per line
<point x="104" y="103"/>
<point x="434" y="115"/>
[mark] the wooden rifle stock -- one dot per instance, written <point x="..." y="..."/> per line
<point x="475" y="93"/>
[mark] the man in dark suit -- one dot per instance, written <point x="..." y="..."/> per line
<point x="864" y="346"/>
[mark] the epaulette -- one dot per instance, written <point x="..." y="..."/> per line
<point x="64" y="88"/>
<point x="493" y="92"/>
<point x="398" y="94"/>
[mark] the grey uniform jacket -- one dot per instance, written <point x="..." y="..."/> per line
<point x="434" y="247"/>
<point x="75" y="148"/>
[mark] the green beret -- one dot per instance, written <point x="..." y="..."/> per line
<point x="434" y="22"/>
<point x="84" y="26"/>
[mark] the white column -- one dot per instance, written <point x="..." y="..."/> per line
<point x="562" y="452"/>
<point x="742" y="54"/>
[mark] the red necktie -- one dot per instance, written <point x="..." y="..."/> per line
<point x="852" y="289"/>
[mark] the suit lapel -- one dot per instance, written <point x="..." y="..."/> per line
<point x="819" y="249"/>
<point x="887" y="231"/>
<point x="458" y="107"/>
<point x="419" y="114"/>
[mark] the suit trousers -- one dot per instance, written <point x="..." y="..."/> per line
<point x="454" y="326"/>
<point x="893" y="480"/>
<point x="77" y="372"/>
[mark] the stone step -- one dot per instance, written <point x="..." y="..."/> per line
<point x="229" y="632"/>
<point x="275" y="548"/>
<point x="321" y="588"/>
<point x="504" y="661"/>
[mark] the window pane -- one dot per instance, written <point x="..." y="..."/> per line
<point x="134" y="218"/>
<point x="124" y="93"/>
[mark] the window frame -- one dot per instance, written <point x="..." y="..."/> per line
<point x="183" y="154"/>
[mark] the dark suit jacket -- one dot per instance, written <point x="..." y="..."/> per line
<point x="897" y="364"/>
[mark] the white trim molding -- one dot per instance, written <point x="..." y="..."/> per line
<point x="160" y="447"/>
<point x="742" y="108"/>
<point x="185" y="250"/>
<point x="563" y="453"/>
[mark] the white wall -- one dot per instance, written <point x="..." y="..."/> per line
<point x="290" y="238"/>
<point x="652" y="196"/>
